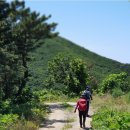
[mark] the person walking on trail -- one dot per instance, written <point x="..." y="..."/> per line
<point x="88" y="95"/>
<point x="82" y="107"/>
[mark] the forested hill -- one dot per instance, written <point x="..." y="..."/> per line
<point x="100" y="66"/>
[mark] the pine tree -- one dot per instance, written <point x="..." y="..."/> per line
<point x="8" y="59"/>
<point x="30" y="30"/>
<point x="21" y="31"/>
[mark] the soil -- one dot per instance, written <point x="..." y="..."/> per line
<point x="58" y="118"/>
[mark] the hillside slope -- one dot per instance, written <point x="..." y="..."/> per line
<point x="101" y="66"/>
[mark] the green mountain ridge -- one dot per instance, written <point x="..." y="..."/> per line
<point x="100" y="66"/>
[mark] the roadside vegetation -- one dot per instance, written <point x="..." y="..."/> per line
<point x="112" y="103"/>
<point x="111" y="113"/>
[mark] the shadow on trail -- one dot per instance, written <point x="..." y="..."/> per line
<point x="87" y="128"/>
<point x="49" y="123"/>
<point x="55" y="106"/>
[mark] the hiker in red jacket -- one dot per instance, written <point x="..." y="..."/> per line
<point x="82" y="107"/>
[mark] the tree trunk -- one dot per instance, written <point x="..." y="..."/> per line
<point x="25" y="77"/>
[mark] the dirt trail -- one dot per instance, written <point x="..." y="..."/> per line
<point x="58" y="118"/>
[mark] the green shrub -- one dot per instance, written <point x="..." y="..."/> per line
<point x="31" y="111"/>
<point x="50" y="95"/>
<point x="7" y="120"/>
<point x="109" y="119"/>
<point x="117" y="92"/>
<point x="23" y="109"/>
<point x="26" y="96"/>
<point x="5" y="107"/>
<point x="116" y="81"/>
<point x="38" y="114"/>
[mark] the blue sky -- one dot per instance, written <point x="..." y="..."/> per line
<point x="100" y="26"/>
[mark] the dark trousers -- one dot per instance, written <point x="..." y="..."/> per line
<point x="87" y="106"/>
<point x="82" y="118"/>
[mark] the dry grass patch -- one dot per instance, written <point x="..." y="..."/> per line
<point x="119" y="103"/>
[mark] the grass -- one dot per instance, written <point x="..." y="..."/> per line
<point x="67" y="106"/>
<point x="111" y="113"/>
<point x="28" y="125"/>
<point x="67" y="126"/>
<point x="119" y="103"/>
<point x="69" y="120"/>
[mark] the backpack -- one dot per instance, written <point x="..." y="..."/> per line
<point x="82" y="104"/>
<point x="87" y="94"/>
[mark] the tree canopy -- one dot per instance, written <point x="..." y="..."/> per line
<point x="69" y="71"/>
<point x="21" y="31"/>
